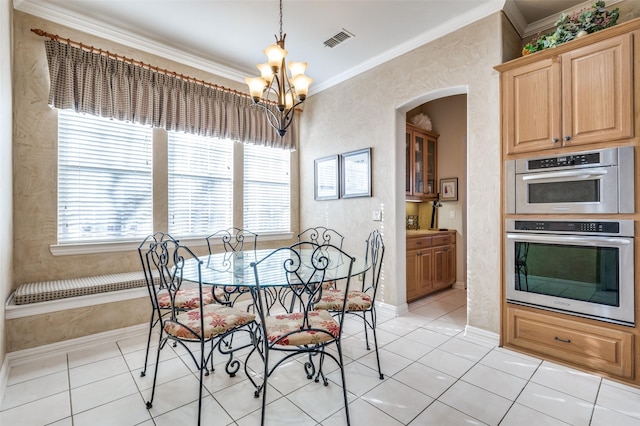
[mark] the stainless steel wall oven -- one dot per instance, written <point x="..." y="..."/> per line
<point x="580" y="267"/>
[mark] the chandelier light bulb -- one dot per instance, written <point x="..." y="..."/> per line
<point x="256" y="87"/>
<point x="301" y="84"/>
<point x="266" y="72"/>
<point x="275" y="56"/>
<point x="297" y="68"/>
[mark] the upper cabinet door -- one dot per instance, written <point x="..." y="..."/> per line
<point x="421" y="160"/>
<point x="581" y="96"/>
<point x="597" y="90"/>
<point x="531" y="106"/>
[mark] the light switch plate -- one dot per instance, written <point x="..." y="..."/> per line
<point x="377" y="215"/>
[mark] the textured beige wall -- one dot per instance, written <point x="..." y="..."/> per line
<point x="6" y="179"/>
<point x="368" y="111"/>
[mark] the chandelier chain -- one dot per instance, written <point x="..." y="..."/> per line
<point x="280" y="19"/>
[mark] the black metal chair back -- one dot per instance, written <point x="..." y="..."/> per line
<point x="322" y="235"/>
<point x="233" y="239"/>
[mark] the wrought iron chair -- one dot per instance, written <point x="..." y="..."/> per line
<point x="322" y="235"/>
<point x="233" y="240"/>
<point x="186" y="298"/>
<point x="304" y="332"/>
<point x="203" y="324"/>
<point x="361" y="302"/>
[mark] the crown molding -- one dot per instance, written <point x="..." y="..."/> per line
<point x="432" y="34"/>
<point x="50" y="11"/>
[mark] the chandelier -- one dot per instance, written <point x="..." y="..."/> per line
<point x="277" y="86"/>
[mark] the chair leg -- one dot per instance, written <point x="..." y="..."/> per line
<point x="375" y="340"/>
<point x="201" y="370"/>
<point x="264" y="385"/>
<point x="366" y="332"/>
<point x="146" y="355"/>
<point x="344" y="384"/>
<point x="155" y="373"/>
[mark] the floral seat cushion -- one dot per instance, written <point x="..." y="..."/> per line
<point x="332" y="301"/>
<point x="218" y="319"/>
<point x="188" y="298"/>
<point x="284" y="329"/>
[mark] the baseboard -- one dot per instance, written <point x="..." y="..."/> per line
<point x="392" y="310"/>
<point x="482" y="336"/>
<point x="4" y="378"/>
<point x="459" y="284"/>
<point x="26" y="355"/>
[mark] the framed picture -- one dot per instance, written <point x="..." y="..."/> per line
<point x="355" y="174"/>
<point x="326" y="178"/>
<point x="449" y="189"/>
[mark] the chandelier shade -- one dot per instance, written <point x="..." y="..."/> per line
<point x="275" y="85"/>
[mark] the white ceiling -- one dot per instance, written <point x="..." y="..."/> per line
<point x="227" y="37"/>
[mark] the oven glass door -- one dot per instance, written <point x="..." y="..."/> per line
<point x="592" y="190"/>
<point x="592" y="276"/>
<point x="589" y="274"/>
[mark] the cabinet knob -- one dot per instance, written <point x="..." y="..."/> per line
<point x="555" y="140"/>
<point x="567" y="138"/>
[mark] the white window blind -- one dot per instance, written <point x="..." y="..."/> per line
<point x="267" y="193"/>
<point x="104" y="179"/>
<point x="200" y="185"/>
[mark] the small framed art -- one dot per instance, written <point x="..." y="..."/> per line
<point x="355" y="174"/>
<point x="449" y="189"/>
<point x="326" y="178"/>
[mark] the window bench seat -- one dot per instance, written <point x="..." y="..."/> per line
<point x="51" y="296"/>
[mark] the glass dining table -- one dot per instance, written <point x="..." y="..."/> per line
<point x="233" y="269"/>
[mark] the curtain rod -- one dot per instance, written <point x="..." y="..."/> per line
<point x="92" y="49"/>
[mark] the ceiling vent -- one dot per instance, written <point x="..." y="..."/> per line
<point x="339" y="38"/>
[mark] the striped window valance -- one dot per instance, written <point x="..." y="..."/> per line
<point x="91" y="83"/>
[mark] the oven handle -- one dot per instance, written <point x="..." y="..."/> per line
<point x="580" y="174"/>
<point x="592" y="241"/>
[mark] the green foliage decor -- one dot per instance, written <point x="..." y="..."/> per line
<point x="574" y="25"/>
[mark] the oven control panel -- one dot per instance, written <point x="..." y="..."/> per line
<point x="568" y="226"/>
<point x="592" y="158"/>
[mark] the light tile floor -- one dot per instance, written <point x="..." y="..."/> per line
<point x="434" y="375"/>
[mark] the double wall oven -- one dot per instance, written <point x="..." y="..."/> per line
<point x="564" y="262"/>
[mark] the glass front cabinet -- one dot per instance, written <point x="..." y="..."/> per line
<point x="420" y="179"/>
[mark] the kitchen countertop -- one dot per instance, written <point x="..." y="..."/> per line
<point x="426" y="232"/>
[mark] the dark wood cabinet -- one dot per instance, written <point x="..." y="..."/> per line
<point x="420" y="151"/>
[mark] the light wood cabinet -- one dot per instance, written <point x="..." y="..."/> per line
<point x="431" y="263"/>
<point x="579" y="97"/>
<point x="420" y="151"/>
<point x="444" y="261"/>
<point x="590" y="346"/>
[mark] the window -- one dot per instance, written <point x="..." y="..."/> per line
<point x="267" y="193"/>
<point x="107" y="185"/>
<point x="200" y="185"/>
<point x="104" y="179"/>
